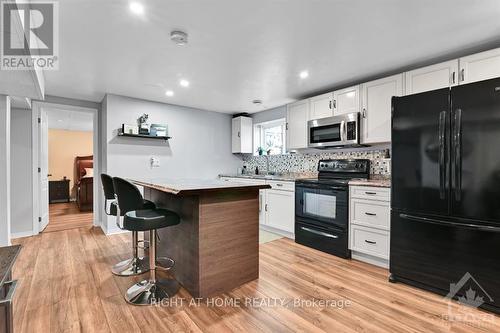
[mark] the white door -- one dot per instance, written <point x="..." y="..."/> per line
<point x="480" y="66"/>
<point x="346" y="100"/>
<point x="280" y="210"/>
<point x="376" y="113"/>
<point x="44" y="170"/>
<point x="321" y="106"/>
<point x="296" y="124"/>
<point x="432" y="77"/>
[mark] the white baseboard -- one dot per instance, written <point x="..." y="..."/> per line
<point x="21" y="234"/>
<point x="111" y="230"/>
<point x="384" y="263"/>
<point x="277" y="231"/>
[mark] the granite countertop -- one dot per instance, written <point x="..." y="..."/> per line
<point x="288" y="176"/>
<point x="193" y="186"/>
<point x="376" y="181"/>
<point x="8" y="255"/>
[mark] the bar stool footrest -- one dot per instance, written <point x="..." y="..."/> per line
<point x="164" y="264"/>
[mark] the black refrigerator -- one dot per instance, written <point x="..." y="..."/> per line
<point x="445" y="208"/>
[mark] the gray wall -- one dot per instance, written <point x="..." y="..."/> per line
<point x="21" y="177"/>
<point x="200" y="146"/>
<point x="268" y="115"/>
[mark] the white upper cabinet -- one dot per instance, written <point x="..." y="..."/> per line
<point x="376" y="111"/>
<point x="480" y="66"/>
<point x="297" y="115"/>
<point x="321" y="106"/>
<point x="432" y="77"/>
<point x="346" y="100"/>
<point x="242" y="132"/>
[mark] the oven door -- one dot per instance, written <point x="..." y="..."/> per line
<point x="321" y="205"/>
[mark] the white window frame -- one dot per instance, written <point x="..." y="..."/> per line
<point x="258" y="133"/>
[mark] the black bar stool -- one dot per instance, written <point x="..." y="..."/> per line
<point x="151" y="290"/>
<point x="135" y="265"/>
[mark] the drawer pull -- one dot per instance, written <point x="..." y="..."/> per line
<point x="371" y="193"/>
<point x="371" y="214"/>
<point x="279" y="185"/>
<point x="10" y="294"/>
<point x="319" y="232"/>
<point x="370" y="242"/>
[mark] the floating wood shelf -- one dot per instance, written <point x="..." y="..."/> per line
<point x="144" y="136"/>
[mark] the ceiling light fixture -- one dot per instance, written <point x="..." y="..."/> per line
<point x="169" y="93"/>
<point x="304" y="74"/>
<point x="179" y="37"/>
<point x="136" y="8"/>
<point x="184" y="83"/>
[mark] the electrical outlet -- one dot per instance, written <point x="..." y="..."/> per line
<point x="155" y="162"/>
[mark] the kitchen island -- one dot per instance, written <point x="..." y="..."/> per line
<point x="216" y="245"/>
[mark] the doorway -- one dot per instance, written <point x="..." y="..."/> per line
<point x="65" y="154"/>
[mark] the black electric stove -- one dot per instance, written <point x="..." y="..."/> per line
<point x="321" y="205"/>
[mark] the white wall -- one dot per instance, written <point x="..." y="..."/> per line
<point x="200" y="146"/>
<point x="5" y="170"/>
<point x="21" y="175"/>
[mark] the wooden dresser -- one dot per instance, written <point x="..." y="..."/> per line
<point x="59" y="190"/>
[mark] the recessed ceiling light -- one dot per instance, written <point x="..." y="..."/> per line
<point x="184" y="83"/>
<point x="169" y="93"/>
<point x="304" y="74"/>
<point x="136" y="8"/>
<point x="257" y="102"/>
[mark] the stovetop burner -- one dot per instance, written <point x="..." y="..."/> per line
<point x="339" y="172"/>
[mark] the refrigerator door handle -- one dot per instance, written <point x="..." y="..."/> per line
<point x="442" y="162"/>
<point x="457" y="146"/>
<point x="449" y="224"/>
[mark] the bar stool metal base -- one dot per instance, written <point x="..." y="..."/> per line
<point x="130" y="267"/>
<point x="149" y="293"/>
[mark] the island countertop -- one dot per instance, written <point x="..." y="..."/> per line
<point x="8" y="255"/>
<point x="193" y="186"/>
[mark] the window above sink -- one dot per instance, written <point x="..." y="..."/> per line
<point x="270" y="135"/>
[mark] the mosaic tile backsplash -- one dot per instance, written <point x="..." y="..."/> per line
<point x="308" y="162"/>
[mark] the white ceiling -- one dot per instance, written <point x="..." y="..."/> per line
<point x="69" y="120"/>
<point x="239" y="50"/>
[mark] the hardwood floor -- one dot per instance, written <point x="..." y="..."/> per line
<point x="63" y="216"/>
<point x="65" y="285"/>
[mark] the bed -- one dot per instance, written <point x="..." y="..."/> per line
<point x="84" y="175"/>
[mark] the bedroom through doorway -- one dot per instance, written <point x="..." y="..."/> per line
<point x="68" y="157"/>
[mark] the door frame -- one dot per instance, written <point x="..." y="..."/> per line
<point x="35" y="129"/>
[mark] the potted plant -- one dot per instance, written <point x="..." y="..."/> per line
<point x="260" y="150"/>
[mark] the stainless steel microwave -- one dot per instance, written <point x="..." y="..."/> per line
<point x="335" y="131"/>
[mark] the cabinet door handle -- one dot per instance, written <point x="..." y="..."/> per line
<point x="286" y="126"/>
<point x="364" y="113"/>
<point x="334" y="104"/>
<point x="462" y="72"/>
<point x="330" y="105"/>
<point x="453" y="78"/>
<point x="239" y="135"/>
<point x="371" y="214"/>
<point x="370" y="242"/>
<point x="279" y="185"/>
<point x="265" y="207"/>
<point x="371" y="193"/>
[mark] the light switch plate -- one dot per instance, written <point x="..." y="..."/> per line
<point x="155" y="162"/>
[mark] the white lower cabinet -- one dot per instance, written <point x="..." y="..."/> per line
<point x="276" y="205"/>
<point x="280" y="212"/>
<point x="369" y="224"/>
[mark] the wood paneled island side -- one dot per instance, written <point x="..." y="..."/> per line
<point x="216" y="245"/>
